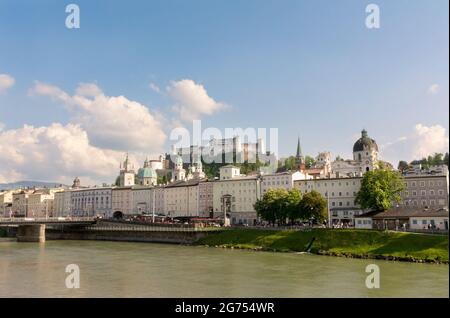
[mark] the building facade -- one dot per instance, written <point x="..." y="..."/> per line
<point x="6" y="199"/>
<point x="234" y="197"/>
<point x="63" y="203"/>
<point x="20" y="203"/>
<point x="91" y="201"/>
<point x="182" y="199"/>
<point x="206" y="191"/>
<point x="40" y="204"/>
<point x="340" y="194"/>
<point x="122" y="201"/>
<point x="426" y="188"/>
<point x="282" y="180"/>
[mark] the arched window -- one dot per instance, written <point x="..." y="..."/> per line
<point x="359" y="157"/>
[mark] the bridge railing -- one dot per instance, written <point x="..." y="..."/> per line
<point x="149" y="228"/>
<point x="46" y="220"/>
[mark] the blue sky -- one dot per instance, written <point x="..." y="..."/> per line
<point x="309" y="68"/>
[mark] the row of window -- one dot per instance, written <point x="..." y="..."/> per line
<point x="78" y="194"/>
<point x="82" y="200"/>
<point x="311" y="185"/>
<point x="424" y="202"/>
<point x="423" y="183"/>
<point x="269" y="183"/>
<point x="340" y="203"/>
<point x="423" y="193"/>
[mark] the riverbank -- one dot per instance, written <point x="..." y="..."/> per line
<point x="409" y="247"/>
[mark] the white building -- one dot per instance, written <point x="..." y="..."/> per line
<point x="126" y="177"/>
<point x="143" y="200"/>
<point x="340" y="194"/>
<point x="122" y="201"/>
<point x="365" y="158"/>
<point x="20" y="203"/>
<point x="426" y="188"/>
<point x="63" y="203"/>
<point x="229" y="172"/>
<point x="178" y="172"/>
<point x="6" y="199"/>
<point x="405" y="219"/>
<point x="234" y="196"/>
<point x="282" y="180"/>
<point x="40" y="204"/>
<point x="182" y="199"/>
<point x="91" y="201"/>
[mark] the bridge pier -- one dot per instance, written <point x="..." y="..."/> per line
<point x="31" y="233"/>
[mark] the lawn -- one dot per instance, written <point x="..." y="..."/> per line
<point x="355" y="243"/>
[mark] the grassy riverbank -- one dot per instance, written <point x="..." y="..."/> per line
<point x="348" y="243"/>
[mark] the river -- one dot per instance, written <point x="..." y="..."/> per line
<point x="122" y="269"/>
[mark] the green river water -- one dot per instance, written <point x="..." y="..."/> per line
<point x="116" y="269"/>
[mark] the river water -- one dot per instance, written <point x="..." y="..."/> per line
<point x="116" y="269"/>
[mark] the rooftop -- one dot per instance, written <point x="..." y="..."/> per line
<point x="404" y="212"/>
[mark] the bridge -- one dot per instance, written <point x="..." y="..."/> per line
<point x="34" y="229"/>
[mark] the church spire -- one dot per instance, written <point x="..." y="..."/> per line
<point x="299" y="149"/>
<point x="299" y="161"/>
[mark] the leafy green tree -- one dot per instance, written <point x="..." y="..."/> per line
<point x="313" y="206"/>
<point x="402" y="165"/>
<point x="293" y="199"/>
<point x="309" y="162"/>
<point x="272" y="207"/>
<point x="289" y="163"/>
<point x="379" y="189"/>
<point x="446" y="159"/>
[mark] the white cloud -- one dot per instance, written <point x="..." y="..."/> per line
<point x="433" y="89"/>
<point x="421" y="142"/>
<point x="429" y="140"/>
<point x="192" y="100"/>
<point x="111" y="122"/>
<point x="6" y="82"/>
<point x="154" y="87"/>
<point x="54" y="153"/>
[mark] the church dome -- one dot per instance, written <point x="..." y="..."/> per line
<point x="365" y="143"/>
<point x="146" y="173"/>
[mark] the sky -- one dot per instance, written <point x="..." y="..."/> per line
<point x="74" y="101"/>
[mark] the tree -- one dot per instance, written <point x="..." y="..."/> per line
<point x="379" y="189"/>
<point x="313" y="206"/>
<point x="402" y="165"/>
<point x="289" y="163"/>
<point x="446" y="159"/>
<point x="309" y="162"/>
<point x="293" y="199"/>
<point x="272" y="207"/>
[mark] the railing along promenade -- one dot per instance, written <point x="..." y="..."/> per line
<point x="46" y="220"/>
<point x="113" y="226"/>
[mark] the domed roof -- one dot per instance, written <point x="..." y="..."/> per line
<point x="147" y="173"/>
<point x="364" y="143"/>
